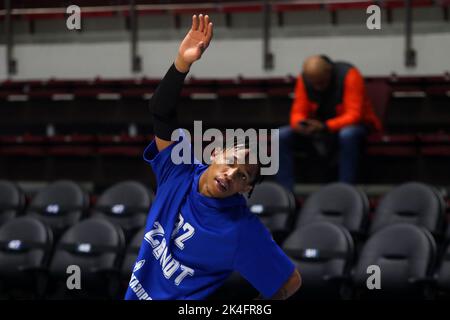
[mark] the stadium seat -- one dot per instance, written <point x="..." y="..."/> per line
<point x="12" y="201"/>
<point x="235" y="287"/>
<point x="125" y="204"/>
<point x="25" y="246"/>
<point x="59" y="205"/>
<point x="323" y="253"/>
<point x="275" y="206"/>
<point x="130" y="255"/>
<point x="443" y="272"/>
<point x="379" y="93"/>
<point x="289" y="7"/>
<point x="414" y="203"/>
<point x="405" y="254"/>
<point x="95" y="246"/>
<point x="350" y="5"/>
<point x="435" y="145"/>
<point x="339" y="203"/>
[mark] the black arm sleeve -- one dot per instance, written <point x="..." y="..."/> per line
<point x="164" y="102"/>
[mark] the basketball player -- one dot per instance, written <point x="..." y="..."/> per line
<point x="199" y="229"/>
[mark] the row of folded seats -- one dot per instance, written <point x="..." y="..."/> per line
<point x="63" y="203"/>
<point x="336" y="243"/>
<point x="331" y="239"/>
<point x="57" y="229"/>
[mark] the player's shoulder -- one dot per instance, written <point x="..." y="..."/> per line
<point x="248" y="219"/>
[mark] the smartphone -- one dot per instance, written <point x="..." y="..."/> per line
<point x="303" y="123"/>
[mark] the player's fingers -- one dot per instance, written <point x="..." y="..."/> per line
<point x="205" y="30"/>
<point x="201" y="23"/>
<point x="194" y="23"/>
<point x="209" y="32"/>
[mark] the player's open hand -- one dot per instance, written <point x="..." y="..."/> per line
<point x="195" y="42"/>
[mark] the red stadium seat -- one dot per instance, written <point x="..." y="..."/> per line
<point x="201" y="82"/>
<point x="122" y="139"/>
<point x="23" y="139"/>
<point x="392" y="4"/>
<point x="146" y="12"/>
<point x="401" y="145"/>
<point x="193" y="91"/>
<point x="349" y="5"/>
<point x="91" y="92"/>
<point x="44" y="16"/>
<point x="99" y="14"/>
<point x="136" y="92"/>
<point x="242" y="92"/>
<point x="443" y="151"/>
<point x="80" y="151"/>
<point x="286" y="7"/>
<point x="379" y="93"/>
<point x="72" y="139"/>
<point x="439" y="90"/>
<point x="392" y="138"/>
<point x="27" y="151"/>
<point x="242" y="8"/>
<point x="280" y="92"/>
<point x="194" y="10"/>
<point x="437" y="144"/>
<point x="120" y="151"/>
<point x="439" y="137"/>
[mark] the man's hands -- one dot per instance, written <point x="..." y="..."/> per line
<point x="195" y="43"/>
<point x="311" y="126"/>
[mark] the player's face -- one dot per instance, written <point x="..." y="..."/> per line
<point x="229" y="174"/>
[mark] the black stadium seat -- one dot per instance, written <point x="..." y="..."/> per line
<point x="235" y="287"/>
<point x="339" y="203"/>
<point x="323" y="253"/>
<point x="405" y="254"/>
<point x="59" y="205"/>
<point x="411" y="202"/>
<point x="275" y="206"/>
<point x="25" y="246"/>
<point x="12" y="201"/>
<point x="96" y="246"/>
<point x="443" y="273"/>
<point x="130" y="255"/>
<point x="125" y="204"/>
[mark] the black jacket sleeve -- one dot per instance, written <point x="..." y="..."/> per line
<point x="164" y="102"/>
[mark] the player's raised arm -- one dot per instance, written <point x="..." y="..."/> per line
<point x="164" y="101"/>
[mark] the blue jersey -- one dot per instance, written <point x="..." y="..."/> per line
<point x="192" y="243"/>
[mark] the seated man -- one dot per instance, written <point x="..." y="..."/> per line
<point x="330" y="111"/>
<point x="199" y="229"/>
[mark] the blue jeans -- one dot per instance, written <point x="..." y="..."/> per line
<point x="349" y="142"/>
